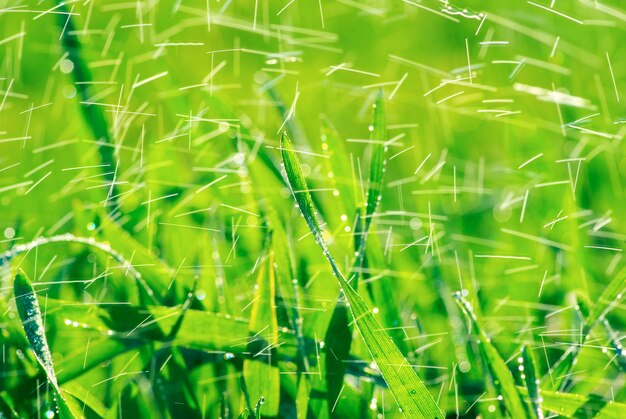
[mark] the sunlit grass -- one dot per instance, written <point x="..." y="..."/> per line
<point x="312" y="209"/>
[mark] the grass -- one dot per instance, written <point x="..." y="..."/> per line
<point x="312" y="209"/>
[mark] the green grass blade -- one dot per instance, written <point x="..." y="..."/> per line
<point x="339" y="332"/>
<point x="94" y="115"/>
<point x="377" y="164"/>
<point x="85" y="398"/>
<point x="408" y="389"/>
<point x="106" y="248"/>
<point x="30" y="315"/>
<point x="532" y="381"/>
<point x="260" y="372"/>
<point x="610" y="297"/>
<point x="502" y="377"/>
<point x="576" y="406"/>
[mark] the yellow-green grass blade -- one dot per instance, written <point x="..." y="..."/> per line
<point x="410" y="393"/>
<point x="260" y="371"/>
<point x="577" y="406"/>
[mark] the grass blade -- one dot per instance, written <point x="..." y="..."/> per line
<point x="557" y="379"/>
<point x="30" y="315"/>
<point x="532" y="382"/>
<point x="93" y="114"/>
<point x="610" y="298"/>
<point x="410" y="393"/>
<point x="377" y="164"/>
<point x="576" y="406"/>
<point x="502" y="377"/>
<point x="339" y="332"/>
<point x="260" y="372"/>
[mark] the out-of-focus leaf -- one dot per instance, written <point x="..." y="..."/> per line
<point x="260" y="371"/>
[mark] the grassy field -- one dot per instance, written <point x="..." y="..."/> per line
<point x="312" y="209"/>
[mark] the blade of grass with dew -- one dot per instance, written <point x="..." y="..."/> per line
<point x="610" y="297"/>
<point x="615" y="342"/>
<point x="18" y="249"/>
<point x="408" y="389"/>
<point x="156" y="273"/>
<point x="200" y="330"/>
<point x="532" y="382"/>
<point x="30" y="315"/>
<point x="260" y="372"/>
<point x="336" y="163"/>
<point x="93" y="114"/>
<point x="502" y="377"/>
<point x="339" y="333"/>
<point x="577" y="406"/>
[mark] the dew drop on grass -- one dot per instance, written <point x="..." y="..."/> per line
<point x="66" y="66"/>
<point x="228" y="356"/>
<point x="374" y="404"/>
<point x="49" y="414"/>
<point x="9" y="233"/>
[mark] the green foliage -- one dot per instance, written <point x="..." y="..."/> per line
<point x="157" y="159"/>
<point x="413" y="398"/>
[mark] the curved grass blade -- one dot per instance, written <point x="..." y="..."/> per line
<point x="30" y="315"/>
<point x="16" y="250"/>
<point x="339" y="332"/>
<point x="260" y="372"/>
<point x="532" y="382"/>
<point x="502" y="377"/>
<point x="85" y="398"/>
<point x="408" y="389"/>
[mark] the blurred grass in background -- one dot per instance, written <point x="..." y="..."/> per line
<point x="504" y="178"/>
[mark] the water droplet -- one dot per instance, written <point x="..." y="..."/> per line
<point x="66" y="66"/>
<point x="9" y="233"/>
